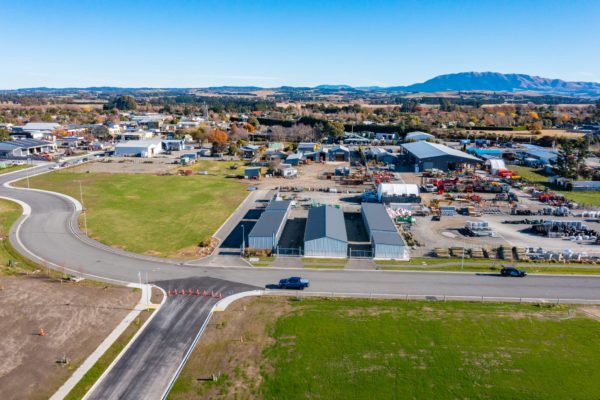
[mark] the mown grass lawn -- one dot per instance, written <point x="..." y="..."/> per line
<point x="165" y="216"/>
<point x="14" y="168"/>
<point x="365" y="349"/>
<point x="533" y="175"/>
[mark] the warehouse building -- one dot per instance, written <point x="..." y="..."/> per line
<point x="138" y="148"/>
<point x="325" y="233"/>
<point x="425" y="155"/>
<point x="267" y="231"/>
<point x="339" y="153"/>
<point x="25" y="147"/>
<point x="386" y="242"/>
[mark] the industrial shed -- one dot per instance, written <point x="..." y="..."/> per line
<point x="267" y="231"/>
<point x="426" y="155"/>
<point x="25" y="148"/>
<point x="385" y="239"/>
<point x="339" y="153"/>
<point x="418" y="136"/>
<point x="325" y="233"/>
<point x="139" y="148"/>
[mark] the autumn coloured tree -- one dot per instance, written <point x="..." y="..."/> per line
<point x="218" y="138"/>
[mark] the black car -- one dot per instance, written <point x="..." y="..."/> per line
<point x="510" y="271"/>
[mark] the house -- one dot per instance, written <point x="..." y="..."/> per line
<point x="339" y="153"/>
<point x="138" y="148"/>
<point x="388" y="137"/>
<point x="35" y="130"/>
<point x="585" y="186"/>
<point x="249" y="150"/>
<point x="325" y="233"/>
<point x="252" y="172"/>
<point x="386" y="242"/>
<point x="426" y="155"/>
<point x="382" y="155"/>
<point x="25" y="148"/>
<point x="418" y="136"/>
<point x="307" y="147"/>
<point x="275" y="146"/>
<point x="268" y="229"/>
<point x="354" y="138"/>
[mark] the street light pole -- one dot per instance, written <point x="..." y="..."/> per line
<point x="462" y="263"/>
<point x="243" y="239"/>
<point x="83" y="209"/>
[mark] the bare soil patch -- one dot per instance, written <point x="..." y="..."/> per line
<point x="75" y="317"/>
<point x="231" y="348"/>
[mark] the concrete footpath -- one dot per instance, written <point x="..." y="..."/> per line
<point x="66" y="388"/>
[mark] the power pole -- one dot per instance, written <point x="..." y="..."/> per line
<point x="83" y="209"/>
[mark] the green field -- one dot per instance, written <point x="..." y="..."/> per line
<point x="364" y="349"/>
<point x="165" y="216"/>
<point x="14" y="168"/>
<point x="533" y="175"/>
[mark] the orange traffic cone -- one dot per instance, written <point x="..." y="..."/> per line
<point x="169" y="293"/>
<point x="212" y="293"/>
<point x="42" y="333"/>
<point x="220" y="296"/>
<point x="183" y="292"/>
<point x="204" y="294"/>
<point x="190" y="292"/>
<point x="175" y="292"/>
<point x="197" y="292"/>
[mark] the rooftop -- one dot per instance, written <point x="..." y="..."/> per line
<point x="139" y="143"/>
<point x="268" y="223"/>
<point x="431" y="150"/>
<point x="378" y="218"/>
<point x="325" y="222"/>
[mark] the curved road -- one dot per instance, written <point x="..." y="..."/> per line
<point x="49" y="234"/>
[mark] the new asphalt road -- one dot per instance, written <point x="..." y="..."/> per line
<point x="49" y="234"/>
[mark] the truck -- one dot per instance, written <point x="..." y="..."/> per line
<point x="294" y="282"/>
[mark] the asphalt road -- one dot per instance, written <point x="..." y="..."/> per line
<point x="148" y="366"/>
<point x="49" y="234"/>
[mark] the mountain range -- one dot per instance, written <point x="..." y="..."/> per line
<point x="459" y="82"/>
<point x="497" y="82"/>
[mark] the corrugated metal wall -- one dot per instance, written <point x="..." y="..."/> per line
<point x="385" y="251"/>
<point x="325" y="247"/>
<point x="261" y="242"/>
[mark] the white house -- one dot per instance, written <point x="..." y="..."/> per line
<point x="138" y="148"/>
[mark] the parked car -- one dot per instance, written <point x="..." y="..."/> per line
<point x="295" y="282"/>
<point x="510" y="271"/>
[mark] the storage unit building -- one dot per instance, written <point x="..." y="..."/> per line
<point x="418" y="136"/>
<point x="426" y="155"/>
<point x="386" y="242"/>
<point x="252" y="172"/>
<point x="325" y="233"/>
<point x="267" y="231"/>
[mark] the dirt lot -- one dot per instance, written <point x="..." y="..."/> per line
<point x="75" y="317"/>
<point x="231" y="348"/>
<point x="123" y="165"/>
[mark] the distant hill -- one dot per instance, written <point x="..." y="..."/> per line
<point x="497" y="82"/>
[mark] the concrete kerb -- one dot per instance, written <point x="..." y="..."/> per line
<point x="133" y="339"/>
<point x="93" y="358"/>
<point x="431" y="297"/>
<point x="219" y="306"/>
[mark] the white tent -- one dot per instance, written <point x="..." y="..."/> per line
<point x="495" y="165"/>
<point x="397" y="190"/>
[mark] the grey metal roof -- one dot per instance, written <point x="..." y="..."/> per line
<point x="377" y="218"/>
<point x="268" y="224"/>
<point x="325" y="221"/>
<point x="282" y="205"/>
<point x="430" y="150"/>
<point x="388" y="238"/>
<point x="25" y="143"/>
<point x="418" y="135"/>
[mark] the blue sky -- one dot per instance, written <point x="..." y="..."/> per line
<point x="194" y="43"/>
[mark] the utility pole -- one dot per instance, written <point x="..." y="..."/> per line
<point x="83" y="209"/>
<point x="462" y="263"/>
<point x="243" y="239"/>
<point x="148" y="293"/>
